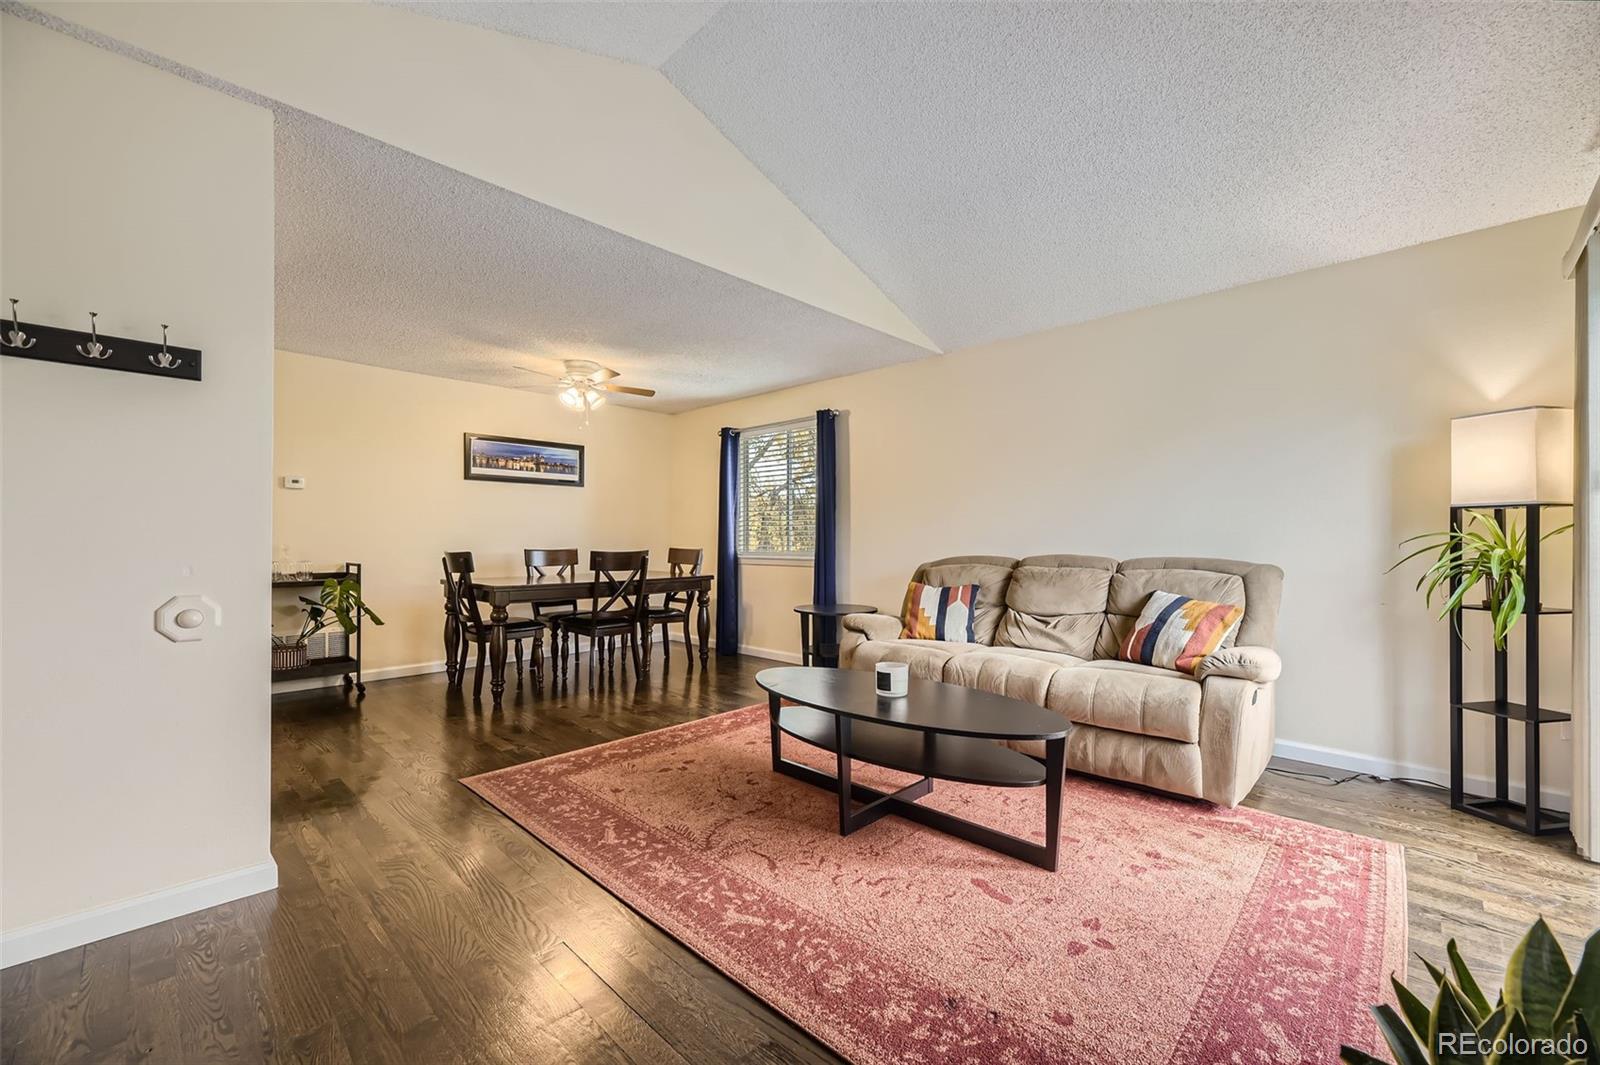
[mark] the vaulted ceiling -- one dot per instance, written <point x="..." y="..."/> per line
<point x="726" y="198"/>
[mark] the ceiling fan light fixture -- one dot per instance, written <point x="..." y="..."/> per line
<point x="571" y="398"/>
<point x="595" y="399"/>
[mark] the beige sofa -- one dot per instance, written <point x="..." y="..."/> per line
<point x="1048" y="628"/>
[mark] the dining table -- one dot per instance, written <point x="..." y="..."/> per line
<point x="499" y="593"/>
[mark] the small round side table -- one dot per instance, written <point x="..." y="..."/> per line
<point x="812" y="651"/>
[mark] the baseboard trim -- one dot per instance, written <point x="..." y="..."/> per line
<point x="74" y="930"/>
<point x="792" y="657"/>
<point x="1352" y="762"/>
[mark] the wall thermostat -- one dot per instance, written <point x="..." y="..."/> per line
<point x="893" y="678"/>
<point x="294" y="482"/>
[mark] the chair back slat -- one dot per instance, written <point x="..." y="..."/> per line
<point x="458" y="569"/>
<point x="683" y="562"/>
<point x="562" y="561"/>
<point x="624" y="572"/>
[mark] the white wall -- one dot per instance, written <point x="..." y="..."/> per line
<point x="381" y="453"/>
<point x="1302" y="421"/>
<point x="134" y="772"/>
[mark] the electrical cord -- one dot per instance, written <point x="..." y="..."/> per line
<point x="1334" y="782"/>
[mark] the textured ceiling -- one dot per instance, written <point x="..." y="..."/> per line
<point x="389" y="259"/>
<point x="999" y="168"/>
<point x="646" y="33"/>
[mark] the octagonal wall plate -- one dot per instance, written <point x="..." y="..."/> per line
<point x="185" y="618"/>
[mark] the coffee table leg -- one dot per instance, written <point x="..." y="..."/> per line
<point x="841" y="736"/>
<point x="774" y="704"/>
<point x="1055" y="769"/>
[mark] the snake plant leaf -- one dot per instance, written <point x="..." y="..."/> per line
<point x="1452" y="1017"/>
<point x="1464" y="980"/>
<point x="1495" y="1023"/>
<point x="1513" y="1038"/>
<point x="1537" y="977"/>
<point x="1412" y="1008"/>
<point x="1581" y="1029"/>
<point x="1433" y="970"/>
<point x="1352" y="1056"/>
<point x="1406" y="1049"/>
<point x="1583" y="994"/>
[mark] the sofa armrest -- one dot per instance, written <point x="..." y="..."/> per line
<point x="1258" y="664"/>
<point x="859" y="628"/>
<point x="873" y="626"/>
<point x="1236" y="735"/>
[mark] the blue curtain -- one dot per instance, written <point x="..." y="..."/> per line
<point x="728" y="546"/>
<point x="824" y="570"/>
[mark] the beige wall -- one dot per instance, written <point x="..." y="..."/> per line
<point x="1302" y="421"/>
<point x="134" y="775"/>
<point x="381" y="454"/>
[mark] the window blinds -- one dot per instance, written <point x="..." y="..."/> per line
<point x="778" y="490"/>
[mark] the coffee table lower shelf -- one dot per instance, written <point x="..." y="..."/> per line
<point x="933" y="757"/>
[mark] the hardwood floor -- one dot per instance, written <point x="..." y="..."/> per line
<point x="414" y="923"/>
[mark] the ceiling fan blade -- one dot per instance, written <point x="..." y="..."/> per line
<point x="602" y="374"/>
<point x="626" y="389"/>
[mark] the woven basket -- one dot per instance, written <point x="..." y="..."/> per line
<point x="291" y="657"/>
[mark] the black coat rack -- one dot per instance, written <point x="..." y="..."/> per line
<point x="1527" y="816"/>
<point x="47" y="343"/>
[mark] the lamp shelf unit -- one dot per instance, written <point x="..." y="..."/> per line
<point x="1530" y="817"/>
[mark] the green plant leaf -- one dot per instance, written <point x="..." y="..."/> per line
<point x="1352" y="1056"/>
<point x="1413" y="1008"/>
<point x="1452" y="1014"/>
<point x="1433" y="970"/>
<point x="1580" y="1027"/>
<point x="1583" y="993"/>
<point x="1514" y="1031"/>
<point x="1406" y="1049"/>
<point x="1464" y="980"/>
<point x="1536" y="978"/>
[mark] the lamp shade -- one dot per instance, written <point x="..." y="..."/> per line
<point x="1510" y="457"/>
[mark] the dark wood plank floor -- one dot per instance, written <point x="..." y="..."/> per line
<point x="414" y="923"/>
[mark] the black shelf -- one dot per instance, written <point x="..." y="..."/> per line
<point x="317" y="667"/>
<point x="349" y="664"/>
<point x="1513" y="814"/>
<point x="1531" y="818"/>
<point x="1514" y="711"/>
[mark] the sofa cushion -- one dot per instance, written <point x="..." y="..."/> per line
<point x="1025" y="677"/>
<point x="925" y="657"/>
<point x="1131" y="590"/>
<point x="991" y="573"/>
<point x="1056" y="603"/>
<point x="1128" y="697"/>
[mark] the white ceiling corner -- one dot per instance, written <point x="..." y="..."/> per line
<point x="646" y="33"/>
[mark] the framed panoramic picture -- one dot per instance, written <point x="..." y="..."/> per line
<point x="507" y="458"/>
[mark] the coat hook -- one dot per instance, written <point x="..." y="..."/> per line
<point x="94" y="349"/>
<point x="15" y="337"/>
<point x="165" y="359"/>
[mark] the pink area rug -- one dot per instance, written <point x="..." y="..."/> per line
<point x="1173" y="932"/>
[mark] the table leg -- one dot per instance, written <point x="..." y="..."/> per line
<point x="704" y="624"/>
<point x="841" y="736"/>
<point x="805" y="639"/>
<point x="497" y="652"/>
<point x="452" y="645"/>
<point x="1055" y="769"/>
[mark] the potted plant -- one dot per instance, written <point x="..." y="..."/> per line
<point x="1479" y="552"/>
<point x="1545" y="1014"/>
<point x="338" y="601"/>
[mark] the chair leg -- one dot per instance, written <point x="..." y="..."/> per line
<point x="638" y="655"/>
<point x="688" y="644"/>
<point x="538" y="659"/>
<point x="519" y="662"/>
<point x="477" y="677"/>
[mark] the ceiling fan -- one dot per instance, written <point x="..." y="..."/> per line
<point x="583" y="385"/>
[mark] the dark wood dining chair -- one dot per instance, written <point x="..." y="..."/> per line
<point x="562" y="563"/>
<point x="475" y="628"/>
<point x="676" y="606"/>
<point x="621" y="613"/>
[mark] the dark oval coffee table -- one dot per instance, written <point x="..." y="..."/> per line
<point x="937" y="731"/>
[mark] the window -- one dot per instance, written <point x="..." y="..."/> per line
<point x="778" y="491"/>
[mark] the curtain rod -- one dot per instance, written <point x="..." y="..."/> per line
<point x="773" y="425"/>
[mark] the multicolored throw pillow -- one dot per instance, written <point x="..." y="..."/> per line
<point x="1176" y="632"/>
<point x="933" y="613"/>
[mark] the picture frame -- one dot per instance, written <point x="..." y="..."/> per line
<point x="518" y="461"/>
